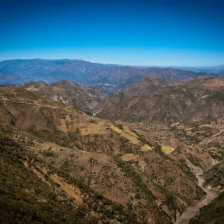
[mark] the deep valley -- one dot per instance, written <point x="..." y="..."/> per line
<point x="124" y="145"/>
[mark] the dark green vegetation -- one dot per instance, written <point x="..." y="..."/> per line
<point x="24" y="198"/>
<point x="217" y="179"/>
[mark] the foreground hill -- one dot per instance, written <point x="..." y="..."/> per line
<point x="81" y="98"/>
<point x="99" y="170"/>
<point x="108" y="78"/>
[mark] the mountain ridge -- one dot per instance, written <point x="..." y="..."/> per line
<point x="105" y="77"/>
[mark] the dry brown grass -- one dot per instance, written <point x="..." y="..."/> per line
<point x="126" y="133"/>
<point x="98" y="127"/>
<point x="167" y="149"/>
<point x="146" y="148"/>
<point x="71" y="191"/>
<point x="129" y="157"/>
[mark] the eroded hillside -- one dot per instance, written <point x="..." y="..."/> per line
<point x="126" y="165"/>
<point x="185" y="117"/>
<point x="69" y="93"/>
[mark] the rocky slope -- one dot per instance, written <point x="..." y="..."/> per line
<point x="69" y="93"/>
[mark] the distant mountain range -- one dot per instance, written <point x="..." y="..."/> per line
<point x="108" y="78"/>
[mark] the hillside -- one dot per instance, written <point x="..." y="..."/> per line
<point x="108" y="78"/>
<point x="191" y="110"/>
<point x="128" y="167"/>
<point x="146" y="86"/>
<point x="213" y="212"/>
<point x="185" y="102"/>
<point x="81" y="98"/>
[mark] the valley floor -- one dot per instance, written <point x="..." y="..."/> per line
<point x="211" y="194"/>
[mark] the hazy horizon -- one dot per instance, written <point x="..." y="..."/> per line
<point x="118" y="64"/>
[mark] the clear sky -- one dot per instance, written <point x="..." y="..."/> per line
<point x="134" y="32"/>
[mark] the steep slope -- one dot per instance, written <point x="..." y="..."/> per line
<point x="24" y="197"/>
<point x="122" y="164"/>
<point x="186" y="113"/>
<point x="84" y="99"/>
<point x="213" y="212"/>
<point x="190" y="101"/>
<point x="215" y="176"/>
<point x="108" y="78"/>
<point x="146" y="86"/>
<point x="32" y="191"/>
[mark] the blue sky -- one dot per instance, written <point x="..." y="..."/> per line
<point x="153" y="32"/>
